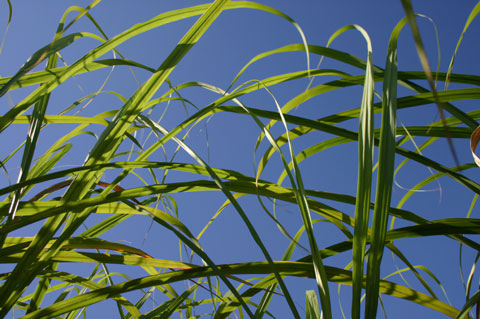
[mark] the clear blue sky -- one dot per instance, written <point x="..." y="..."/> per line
<point x="235" y="38"/>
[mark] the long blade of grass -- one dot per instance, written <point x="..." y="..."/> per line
<point x="386" y="159"/>
<point x="364" y="181"/>
<point x="286" y="268"/>
<point x="471" y="17"/>
<point x="302" y="202"/>
<point x="407" y="6"/>
<point x="10" y="11"/>
<point x="36" y="122"/>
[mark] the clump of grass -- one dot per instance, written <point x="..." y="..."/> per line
<point x="73" y="209"/>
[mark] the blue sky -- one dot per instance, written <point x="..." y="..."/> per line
<point x="235" y="38"/>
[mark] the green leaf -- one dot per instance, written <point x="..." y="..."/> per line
<point x="313" y="312"/>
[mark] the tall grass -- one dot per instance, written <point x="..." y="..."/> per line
<point x="60" y="211"/>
